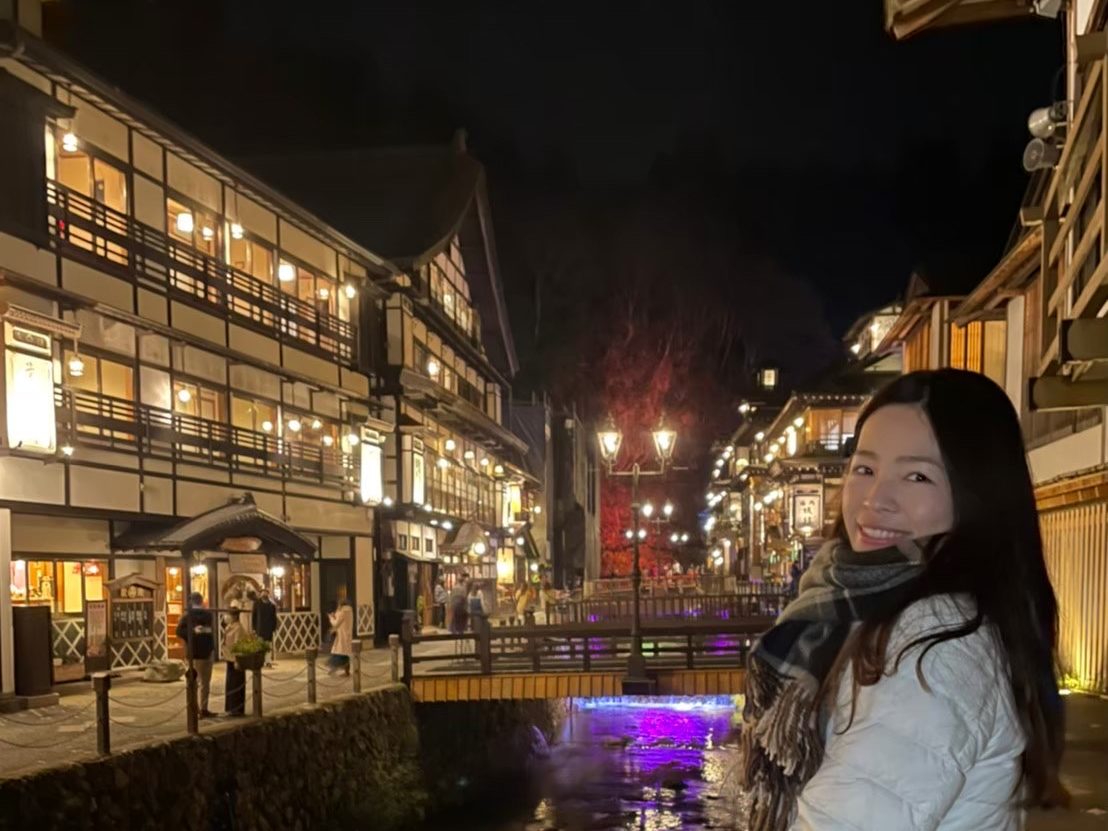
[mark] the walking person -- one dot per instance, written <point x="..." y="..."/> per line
<point x="475" y="604"/>
<point x="264" y="622"/>
<point x="234" y="685"/>
<point x="342" y="627"/>
<point x="195" y="629"/>
<point x="912" y="682"/>
<point x="441" y="597"/>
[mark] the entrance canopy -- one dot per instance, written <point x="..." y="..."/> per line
<point x="238" y="526"/>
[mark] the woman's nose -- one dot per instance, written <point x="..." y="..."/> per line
<point x="880" y="496"/>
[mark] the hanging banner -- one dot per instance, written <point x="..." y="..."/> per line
<point x="372" y="485"/>
<point x="29" y="384"/>
<point x="419" y="494"/>
<point x="808" y="511"/>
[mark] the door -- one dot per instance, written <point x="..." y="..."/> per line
<point x="334" y="579"/>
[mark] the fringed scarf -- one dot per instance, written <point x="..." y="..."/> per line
<point x="782" y="745"/>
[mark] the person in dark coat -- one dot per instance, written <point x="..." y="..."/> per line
<point x="195" y="629"/>
<point x="263" y="620"/>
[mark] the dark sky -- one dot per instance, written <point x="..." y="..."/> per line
<point x="851" y="158"/>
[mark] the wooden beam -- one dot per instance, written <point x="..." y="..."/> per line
<point x="1091" y="46"/>
<point x="1056" y="392"/>
<point x="1085" y="339"/>
<point x="905" y="18"/>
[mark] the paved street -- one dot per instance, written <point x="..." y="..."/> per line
<point x="1084" y="769"/>
<point x="141" y="712"/>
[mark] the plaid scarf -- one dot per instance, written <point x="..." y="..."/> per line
<point x="782" y="745"/>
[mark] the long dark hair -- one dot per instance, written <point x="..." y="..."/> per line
<point x="994" y="554"/>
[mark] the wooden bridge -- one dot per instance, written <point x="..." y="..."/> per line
<point x="577" y="660"/>
<point x="674" y="608"/>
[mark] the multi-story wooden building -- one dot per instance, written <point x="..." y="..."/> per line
<point x="1037" y="322"/>
<point x="463" y="499"/>
<point x="175" y="334"/>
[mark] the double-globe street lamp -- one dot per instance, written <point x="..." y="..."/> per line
<point x="610" y="439"/>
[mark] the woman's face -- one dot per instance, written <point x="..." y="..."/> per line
<point x="896" y="486"/>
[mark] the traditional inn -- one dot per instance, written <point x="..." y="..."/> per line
<point x="463" y="501"/>
<point x="1037" y="322"/>
<point x="176" y="334"/>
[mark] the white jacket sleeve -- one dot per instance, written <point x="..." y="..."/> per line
<point x="903" y="760"/>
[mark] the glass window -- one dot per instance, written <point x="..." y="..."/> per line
<point x="102" y="376"/>
<point x="192" y="225"/>
<point x="99" y="181"/>
<point x="291" y="586"/>
<point x="197" y="400"/>
<point x="251" y="257"/>
<point x="64" y="586"/>
<point x="258" y="416"/>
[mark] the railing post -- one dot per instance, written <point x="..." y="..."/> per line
<point x="689" y="653"/>
<point x="536" y="657"/>
<point x="192" y="712"/>
<point x="587" y="656"/>
<point x="310" y="656"/>
<point x="356" y="664"/>
<point x="257" y="690"/>
<point x="406" y="636"/>
<point x="483" y="629"/>
<point x="102" y="683"/>
<point x="394" y="658"/>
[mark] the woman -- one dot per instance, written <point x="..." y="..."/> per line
<point x="234" y="683"/>
<point x="342" y="625"/>
<point x="911" y="683"/>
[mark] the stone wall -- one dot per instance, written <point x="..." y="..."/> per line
<point x="349" y="763"/>
<point x="472" y="750"/>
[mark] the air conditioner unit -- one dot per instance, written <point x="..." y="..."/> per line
<point x="1048" y="8"/>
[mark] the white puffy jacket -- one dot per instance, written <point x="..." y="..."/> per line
<point x="945" y="756"/>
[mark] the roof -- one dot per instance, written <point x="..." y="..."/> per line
<point x="208" y="531"/>
<point x="407" y="203"/>
<point x="1020" y="262"/>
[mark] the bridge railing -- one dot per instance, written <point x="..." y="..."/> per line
<point x="589" y="647"/>
<point x="690" y="607"/>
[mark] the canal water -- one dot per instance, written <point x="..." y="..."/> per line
<point x="636" y="764"/>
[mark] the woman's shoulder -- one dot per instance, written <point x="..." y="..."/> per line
<point x="970" y="668"/>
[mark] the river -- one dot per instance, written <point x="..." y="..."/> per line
<point x="640" y="764"/>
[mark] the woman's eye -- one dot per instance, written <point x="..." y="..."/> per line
<point x="917" y="477"/>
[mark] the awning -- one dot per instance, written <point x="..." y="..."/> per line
<point x="418" y="557"/>
<point x="218" y="529"/>
<point x="464" y="537"/>
<point x="905" y="18"/>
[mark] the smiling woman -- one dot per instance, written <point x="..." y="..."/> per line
<point x="912" y="684"/>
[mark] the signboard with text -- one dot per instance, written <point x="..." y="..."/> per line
<point x="29" y="384"/>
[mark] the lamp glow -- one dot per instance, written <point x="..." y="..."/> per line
<point x="433" y="368"/>
<point x="185" y="223"/>
<point x="294" y="425"/>
<point x="442" y="463"/>
<point x="667" y="509"/>
<point x="69" y="142"/>
<point x="479" y="548"/>
<point x="451" y="445"/>
<point x="236" y="231"/>
<point x="798" y="422"/>
<point x="207" y="233"/>
<point x="498" y="470"/>
<point x="647" y="510"/>
<point x="68" y="449"/>
<point x="352" y="439"/>
<point x="664" y="441"/>
<point x="183" y="395"/>
<point x="76" y="367"/>
<point x="328" y="441"/>
<point x="759" y="436"/>
<point x="316" y="423"/>
<point x="267" y="426"/>
<point x="610" y="438"/>
<point x="286" y="272"/>
<point x="350" y="290"/>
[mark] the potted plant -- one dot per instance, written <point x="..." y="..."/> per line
<point x="249" y="652"/>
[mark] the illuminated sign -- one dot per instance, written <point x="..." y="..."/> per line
<point x="30" y="391"/>
<point x="418" y="482"/>
<point x="372" y="488"/>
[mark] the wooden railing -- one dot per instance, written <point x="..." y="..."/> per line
<point x="108" y="239"/>
<point x="490" y="650"/>
<point x="688" y="607"/>
<point x="151" y="431"/>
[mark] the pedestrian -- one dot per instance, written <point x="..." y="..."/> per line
<point x="342" y="629"/>
<point x="264" y="622"/>
<point x="459" y="611"/>
<point x="911" y="684"/>
<point x="234" y="683"/>
<point x="475" y="604"/>
<point x="441" y="597"/>
<point x="523" y="601"/>
<point x="195" y="629"/>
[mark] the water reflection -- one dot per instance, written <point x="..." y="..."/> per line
<point x="640" y="764"/>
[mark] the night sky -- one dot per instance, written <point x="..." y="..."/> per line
<point x="845" y="158"/>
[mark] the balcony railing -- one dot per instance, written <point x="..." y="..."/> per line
<point x="115" y="423"/>
<point x="90" y="231"/>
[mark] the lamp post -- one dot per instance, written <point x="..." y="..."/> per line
<point x="610" y="439"/>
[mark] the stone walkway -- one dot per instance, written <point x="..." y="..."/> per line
<point x="1084" y="769"/>
<point x="142" y="713"/>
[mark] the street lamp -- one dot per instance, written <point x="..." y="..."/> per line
<point x="610" y="439"/>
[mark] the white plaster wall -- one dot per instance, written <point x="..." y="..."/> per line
<point x="1068" y="455"/>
